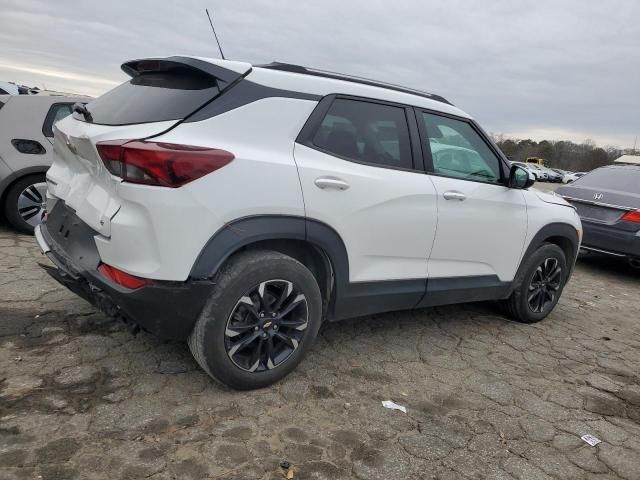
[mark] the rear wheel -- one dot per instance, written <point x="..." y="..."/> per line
<point x="539" y="285"/>
<point x="25" y="202"/>
<point x="260" y="321"/>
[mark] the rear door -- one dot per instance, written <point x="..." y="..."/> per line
<point x="356" y="165"/>
<point x="482" y="224"/>
<point x="160" y="94"/>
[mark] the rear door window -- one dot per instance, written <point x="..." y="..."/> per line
<point x="153" y="97"/>
<point x="56" y="113"/>
<point x="618" y="178"/>
<point x="366" y="132"/>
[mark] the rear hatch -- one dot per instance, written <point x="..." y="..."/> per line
<point x="160" y="94"/>
<point x="604" y="195"/>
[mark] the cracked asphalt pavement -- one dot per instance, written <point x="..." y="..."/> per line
<point x="80" y="397"/>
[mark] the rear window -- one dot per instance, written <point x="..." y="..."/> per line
<point x="621" y="179"/>
<point x="153" y="97"/>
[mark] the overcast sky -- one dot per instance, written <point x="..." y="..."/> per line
<point x="565" y="69"/>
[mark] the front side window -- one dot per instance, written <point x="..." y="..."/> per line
<point x="458" y="150"/>
<point x="366" y="132"/>
<point x="56" y="113"/>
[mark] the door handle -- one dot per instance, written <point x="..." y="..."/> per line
<point x="330" y="182"/>
<point x="453" y="195"/>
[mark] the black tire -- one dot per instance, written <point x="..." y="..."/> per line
<point x="228" y="312"/>
<point x="11" y="209"/>
<point x="519" y="304"/>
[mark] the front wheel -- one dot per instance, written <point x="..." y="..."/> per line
<point x="260" y="321"/>
<point x="538" y="285"/>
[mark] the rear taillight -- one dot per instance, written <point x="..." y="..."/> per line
<point x="632" y="216"/>
<point x="123" y="278"/>
<point x="161" y="164"/>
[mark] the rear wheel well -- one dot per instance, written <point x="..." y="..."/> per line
<point x="311" y="256"/>
<point x="17" y="178"/>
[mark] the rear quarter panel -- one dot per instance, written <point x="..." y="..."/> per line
<point x="159" y="232"/>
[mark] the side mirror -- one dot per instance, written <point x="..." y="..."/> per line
<point x="520" y="177"/>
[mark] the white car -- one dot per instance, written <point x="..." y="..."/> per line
<point x="239" y="206"/>
<point x="540" y="173"/>
<point x="570" y="177"/>
<point x="26" y="153"/>
<point x="533" y="172"/>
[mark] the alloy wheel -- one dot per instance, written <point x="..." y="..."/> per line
<point x="266" y="326"/>
<point x="544" y="285"/>
<point x="32" y="203"/>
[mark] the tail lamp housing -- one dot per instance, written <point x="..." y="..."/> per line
<point x="632" y="216"/>
<point x="160" y="164"/>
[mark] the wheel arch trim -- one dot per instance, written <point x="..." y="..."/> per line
<point x="549" y="233"/>
<point x="249" y="230"/>
<point x="6" y="183"/>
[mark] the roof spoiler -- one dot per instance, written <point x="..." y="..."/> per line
<point x="225" y="76"/>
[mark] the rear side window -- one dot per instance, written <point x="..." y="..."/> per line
<point x="57" y="112"/>
<point x="153" y="97"/>
<point x="366" y="132"/>
<point x="621" y="179"/>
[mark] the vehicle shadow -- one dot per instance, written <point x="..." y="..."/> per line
<point x="597" y="263"/>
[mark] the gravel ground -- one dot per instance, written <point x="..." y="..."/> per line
<point x="80" y="397"/>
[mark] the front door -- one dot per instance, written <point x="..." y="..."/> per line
<point x="482" y="224"/>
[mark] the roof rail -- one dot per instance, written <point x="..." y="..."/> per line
<point x="287" y="67"/>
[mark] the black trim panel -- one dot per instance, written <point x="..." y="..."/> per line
<point x="450" y="290"/>
<point x="563" y="230"/>
<point x="242" y="94"/>
<point x="224" y="76"/>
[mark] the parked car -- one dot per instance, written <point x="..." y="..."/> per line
<point x="26" y="152"/>
<point x="539" y="174"/>
<point x="238" y="206"/>
<point x="572" y="177"/>
<point x="552" y="175"/>
<point x="608" y="202"/>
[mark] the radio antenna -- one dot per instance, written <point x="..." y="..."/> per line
<point x="214" y="33"/>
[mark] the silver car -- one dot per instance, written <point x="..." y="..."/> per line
<point x="26" y="148"/>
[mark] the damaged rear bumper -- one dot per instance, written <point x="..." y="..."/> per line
<point x="169" y="310"/>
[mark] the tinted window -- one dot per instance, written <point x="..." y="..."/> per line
<point x="366" y="132"/>
<point x="621" y="179"/>
<point x="154" y="97"/>
<point x="459" y="151"/>
<point x="57" y="112"/>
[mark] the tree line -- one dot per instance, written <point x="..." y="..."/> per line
<point x="561" y="154"/>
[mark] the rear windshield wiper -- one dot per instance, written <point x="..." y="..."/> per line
<point x="81" y="108"/>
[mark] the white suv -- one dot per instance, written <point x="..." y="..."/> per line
<point x="239" y="206"/>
